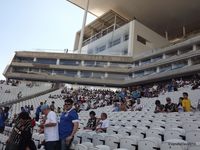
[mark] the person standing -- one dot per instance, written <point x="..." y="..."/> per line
<point x="38" y="111"/>
<point x="50" y="128"/>
<point x="2" y="120"/>
<point x="186" y="103"/>
<point x="68" y="125"/>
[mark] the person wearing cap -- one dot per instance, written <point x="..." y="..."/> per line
<point x="68" y="125"/>
<point x="50" y="128"/>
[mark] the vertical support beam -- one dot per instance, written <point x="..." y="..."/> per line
<point x="189" y="62"/>
<point x="166" y="35"/>
<point x="115" y="21"/>
<point x="158" y="69"/>
<point x="164" y="56"/>
<point x="58" y="62"/>
<point x="194" y="47"/>
<point x="178" y="52"/>
<point x="131" y="39"/>
<point x="184" y="32"/>
<point x="83" y="27"/>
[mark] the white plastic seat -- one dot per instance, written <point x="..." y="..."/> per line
<point x="81" y="147"/>
<point x="87" y="136"/>
<point x="150" y="143"/>
<point x="102" y="147"/>
<point x="99" y="138"/>
<point x="113" y="141"/>
<point x="155" y="132"/>
<point x="126" y="131"/>
<point x="174" y="133"/>
<point x="194" y="147"/>
<point x="130" y="142"/>
<point x="174" y="144"/>
<point x="193" y="136"/>
<point x="112" y="129"/>
<point x="140" y="131"/>
<point x="191" y="125"/>
<point x="88" y="144"/>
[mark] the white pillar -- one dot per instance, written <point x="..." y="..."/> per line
<point x="178" y="52"/>
<point x="82" y="63"/>
<point x="83" y="27"/>
<point x="158" y="69"/>
<point x="194" y="47"/>
<point x="189" y="62"/>
<point x="131" y="39"/>
<point x="184" y="32"/>
<point x="164" y="56"/>
<point x="34" y="59"/>
<point x="58" y="62"/>
<point x="166" y="35"/>
<point x="79" y="74"/>
<point x="106" y="75"/>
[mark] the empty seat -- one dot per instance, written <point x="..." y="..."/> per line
<point x="81" y="147"/>
<point x="174" y="144"/>
<point x="102" y="147"/>
<point x="149" y="143"/>
<point x="99" y="138"/>
<point x="193" y="136"/>
<point x="174" y="133"/>
<point x="130" y="142"/>
<point x="155" y="132"/>
<point x="113" y="141"/>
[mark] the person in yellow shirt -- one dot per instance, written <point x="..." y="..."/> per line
<point x="186" y="103"/>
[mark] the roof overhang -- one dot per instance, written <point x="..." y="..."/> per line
<point x="159" y="15"/>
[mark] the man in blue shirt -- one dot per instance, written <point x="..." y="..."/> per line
<point x="38" y="111"/>
<point x="2" y="120"/>
<point x="68" y="126"/>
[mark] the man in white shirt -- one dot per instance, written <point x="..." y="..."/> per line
<point x="51" y="133"/>
<point x="103" y="123"/>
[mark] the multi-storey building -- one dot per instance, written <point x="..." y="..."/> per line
<point x="130" y="42"/>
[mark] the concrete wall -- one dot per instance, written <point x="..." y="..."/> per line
<point x="153" y="39"/>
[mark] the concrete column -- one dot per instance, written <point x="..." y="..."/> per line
<point x="133" y="75"/>
<point x="82" y="63"/>
<point x="184" y="32"/>
<point x="131" y="39"/>
<point x="166" y="35"/>
<point x="178" y="52"/>
<point x="83" y="27"/>
<point x="79" y="74"/>
<point x="108" y="64"/>
<point x="173" y="66"/>
<point x="158" y="69"/>
<point x="194" y="47"/>
<point x="34" y="59"/>
<point x="189" y="62"/>
<point x="140" y="63"/>
<point x="58" y="62"/>
<point x="106" y="74"/>
<point x="164" y="56"/>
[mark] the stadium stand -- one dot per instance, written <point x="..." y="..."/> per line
<point x="128" y="130"/>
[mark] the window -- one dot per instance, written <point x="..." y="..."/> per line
<point x="126" y="37"/>
<point x="141" y="40"/>
<point x="100" y="49"/>
<point x="115" y="42"/>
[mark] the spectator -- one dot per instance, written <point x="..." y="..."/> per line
<point x="169" y="106"/>
<point x="52" y="106"/>
<point x="38" y="111"/>
<point x="68" y="126"/>
<point x="186" y="103"/>
<point x="92" y="122"/>
<point x="179" y="106"/>
<point x="122" y="106"/>
<point x="103" y="124"/>
<point x="138" y="106"/>
<point x="21" y="136"/>
<point x="50" y="128"/>
<point x="116" y="107"/>
<point x="159" y="107"/>
<point x="2" y="120"/>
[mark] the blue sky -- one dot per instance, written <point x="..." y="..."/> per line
<point x="37" y="24"/>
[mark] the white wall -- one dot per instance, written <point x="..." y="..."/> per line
<point x="115" y="50"/>
<point x="154" y="39"/>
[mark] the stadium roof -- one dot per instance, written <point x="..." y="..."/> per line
<point x="159" y="15"/>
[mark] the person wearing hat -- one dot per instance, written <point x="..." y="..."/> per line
<point x="50" y="128"/>
<point x="68" y="125"/>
